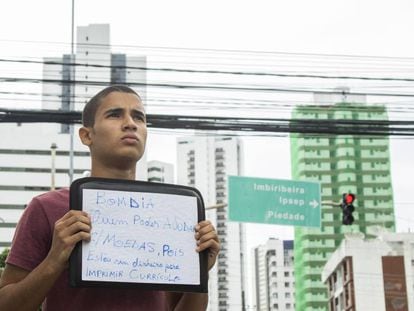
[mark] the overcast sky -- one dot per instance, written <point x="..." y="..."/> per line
<point x="382" y="28"/>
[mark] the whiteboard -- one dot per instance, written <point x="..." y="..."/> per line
<point x="140" y="237"/>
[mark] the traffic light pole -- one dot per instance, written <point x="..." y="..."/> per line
<point x="216" y="206"/>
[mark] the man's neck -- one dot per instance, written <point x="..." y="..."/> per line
<point x="113" y="173"/>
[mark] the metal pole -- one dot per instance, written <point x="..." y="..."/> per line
<point x="53" y="148"/>
<point x="220" y="205"/>
<point x="72" y="94"/>
<point x="330" y="203"/>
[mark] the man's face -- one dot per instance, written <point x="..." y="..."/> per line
<point x="119" y="133"/>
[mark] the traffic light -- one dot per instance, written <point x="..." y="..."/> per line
<point x="347" y="208"/>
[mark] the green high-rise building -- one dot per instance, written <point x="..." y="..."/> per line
<point x="342" y="164"/>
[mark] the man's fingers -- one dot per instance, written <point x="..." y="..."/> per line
<point x="75" y="238"/>
<point x="73" y="227"/>
<point x="213" y="245"/>
<point x="73" y="213"/>
<point x="207" y="236"/>
<point x="76" y="227"/>
<point x="72" y="217"/>
<point x="204" y="227"/>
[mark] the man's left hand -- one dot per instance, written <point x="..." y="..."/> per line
<point x="206" y="237"/>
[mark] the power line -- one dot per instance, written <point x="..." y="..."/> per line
<point x="303" y="126"/>
<point x="202" y="87"/>
<point x="270" y="74"/>
<point x="245" y="52"/>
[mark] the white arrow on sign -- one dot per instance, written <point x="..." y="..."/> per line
<point x="314" y="203"/>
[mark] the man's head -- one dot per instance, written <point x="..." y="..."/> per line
<point x="89" y="111"/>
<point x="114" y="128"/>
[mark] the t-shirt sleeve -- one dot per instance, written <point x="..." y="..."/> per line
<point x="32" y="239"/>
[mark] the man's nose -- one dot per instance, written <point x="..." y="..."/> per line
<point x="129" y="123"/>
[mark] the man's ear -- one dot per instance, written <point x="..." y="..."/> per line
<point x="85" y="135"/>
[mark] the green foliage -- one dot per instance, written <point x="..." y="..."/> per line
<point x="3" y="257"/>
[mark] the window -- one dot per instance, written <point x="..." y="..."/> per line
<point x="287" y="295"/>
<point x="286" y="273"/>
<point x="288" y="306"/>
<point x="287" y="284"/>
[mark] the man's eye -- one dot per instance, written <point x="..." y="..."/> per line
<point x="114" y="115"/>
<point x="139" y="117"/>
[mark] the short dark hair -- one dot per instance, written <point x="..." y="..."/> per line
<point x="89" y="111"/>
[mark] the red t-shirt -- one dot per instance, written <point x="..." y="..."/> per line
<point x="31" y="244"/>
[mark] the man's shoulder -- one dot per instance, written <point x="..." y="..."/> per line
<point x="55" y="201"/>
<point x="60" y="194"/>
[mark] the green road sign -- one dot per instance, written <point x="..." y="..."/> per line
<point x="274" y="201"/>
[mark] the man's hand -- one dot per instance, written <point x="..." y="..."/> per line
<point x="73" y="227"/>
<point x="207" y="238"/>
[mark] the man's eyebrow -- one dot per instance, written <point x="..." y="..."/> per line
<point x="139" y="112"/>
<point x="112" y="110"/>
<point x="121" y="110"/>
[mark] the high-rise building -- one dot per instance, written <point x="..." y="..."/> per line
<point x="205" y="163"/>
<point x="160" y="172"/>
<point x="273" y="276"/>
<point x="342" y="164"/>
<point x="371" y="274"/>
<point x="26" y="156"/>
<point x="26" y="168"/>
<point x="93" y="67"/>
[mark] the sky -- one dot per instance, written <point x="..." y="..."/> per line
<point x="362" y="28"/>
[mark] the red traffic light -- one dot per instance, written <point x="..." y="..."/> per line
<point x="348" y="198"/>
<point x="347" y="208"/>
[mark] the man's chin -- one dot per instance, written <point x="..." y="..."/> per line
<point x="131" y="157"/>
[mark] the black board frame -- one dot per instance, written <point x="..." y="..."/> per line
<point x="75" y="260"/>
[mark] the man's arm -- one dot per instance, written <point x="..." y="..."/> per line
<point x="24" y="290"/>
<point x="206" y="238"/>
<point x="187" y="301"/>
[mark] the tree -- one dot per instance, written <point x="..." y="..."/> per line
<point x="3" y="257"/>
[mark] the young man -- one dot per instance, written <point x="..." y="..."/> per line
<point x="114" y="128"/>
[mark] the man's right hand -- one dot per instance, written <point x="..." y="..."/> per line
<point x="25" y="290"/>
<point x="73" y="227"/>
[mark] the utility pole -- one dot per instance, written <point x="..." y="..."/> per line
<point x="72" y="94"/>
<point x="53" y="148"/>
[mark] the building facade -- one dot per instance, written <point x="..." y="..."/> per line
<point x="26" y="161"/>
<point x="342" y="164"/>
<point x="26" y="156"/>
<point x="371" y="274"/>
<point x="159" y="171"/>
<point x="204" y="163"/>
<point x="274" y="276"/>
